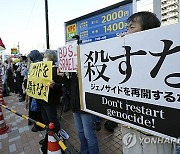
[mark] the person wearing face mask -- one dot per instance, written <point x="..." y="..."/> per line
<point x="137" y="22"/>
<point x="33" y="57"/>
<point x="45" y="59"/>
<point x="49" y="109"/>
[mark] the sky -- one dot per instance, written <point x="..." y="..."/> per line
<point x="23" y="21"/>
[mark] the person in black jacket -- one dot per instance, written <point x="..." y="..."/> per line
<point x="65" y="92"/>
<point x="49" y="109"/>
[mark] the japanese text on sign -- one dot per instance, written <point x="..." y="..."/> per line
<point x="143" y="77"/>
<point x="104" y="24"/>
<point x="39" y="77"/>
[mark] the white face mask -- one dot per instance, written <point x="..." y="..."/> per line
<point x="45" y="59"/>
<point x="28" y="64"/>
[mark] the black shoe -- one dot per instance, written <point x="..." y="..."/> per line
<point x="110" y="125"/>
<point x="34" y="129"/>
<point x="30" y="123"/>
<point x="21" y="100"/>
<point x="41" y="142"/>
<point x="98" y="126"/>
<point x="37" y="128"/>
<point x="44" y="150"/>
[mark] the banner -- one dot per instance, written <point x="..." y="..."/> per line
<point x="39" y="77"/>
<point x="67" y="57"/>
<point x="2" y="46"/>
<point x="101" y="24"/>
<point x="135" y="80"/>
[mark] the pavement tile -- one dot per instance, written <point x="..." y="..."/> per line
<point x="14" y="139"/>
<point x="12" y="148"/>
<point x="21" y="152"/>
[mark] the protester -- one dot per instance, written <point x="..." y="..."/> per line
<point x="19" y="76"/>
<point x="65" y="100"/>
<point x="10" y="77"/>
<point x="139" y="22"/>
<point x="33" y="57"/>
<point x="15" y="66"/>
<point x="85" y="122"/>
<point x="5" y="90"/>
<point x="49" y="109"/>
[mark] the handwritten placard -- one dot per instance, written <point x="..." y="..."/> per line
<point x="39" y="77"/>
<point x="67" y="58"/>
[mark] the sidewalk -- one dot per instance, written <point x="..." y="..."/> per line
<point x="21" y="140"/>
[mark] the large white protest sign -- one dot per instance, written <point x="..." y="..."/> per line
<point x="67" y="57"/>
<point x="135" y="80"/>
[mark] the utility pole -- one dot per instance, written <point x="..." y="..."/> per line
<point x="47" y="24"/>
<point x="18" y="48"/>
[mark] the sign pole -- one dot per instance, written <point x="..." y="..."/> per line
<point x="80" y="78"/>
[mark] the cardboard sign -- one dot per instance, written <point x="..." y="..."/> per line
<point x="67" y="57"/>
<point x="39" y="77"/>
<point x="135" y="80"/>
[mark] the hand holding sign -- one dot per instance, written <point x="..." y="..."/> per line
<point x="59" y="72"/>
<point x="39" y="77"/>
<point x="51" y="84"/>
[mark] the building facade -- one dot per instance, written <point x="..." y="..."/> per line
<point x="168" y="11"/>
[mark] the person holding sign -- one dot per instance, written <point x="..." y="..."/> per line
<point x="85" y="122"/>
<point x="133" y="138"/>
<point x="33" y="57"/>
<point x="49" y="109"/>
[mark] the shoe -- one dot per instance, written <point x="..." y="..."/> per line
<point x="110" y="125"/>
<point x="34" y="129"/>
<point x="43" y="150"/>
<point x="30" y="123"/>
<point x="21" y="100"/>
<point x="62" y="133"/>
<point x="41" y="142"/>
<point x="37" y="128"/>
<point x="98" y="126"/>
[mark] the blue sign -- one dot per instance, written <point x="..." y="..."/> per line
<point x="100" y="25"/>
<point x="105" y="25"/>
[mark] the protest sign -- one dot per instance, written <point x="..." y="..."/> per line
<point x="135" y="80"/>
<point x="39" y="77"/>
<point x="67" y="57"/>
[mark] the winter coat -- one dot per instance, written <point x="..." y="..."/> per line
<point x="74" y="94"/>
